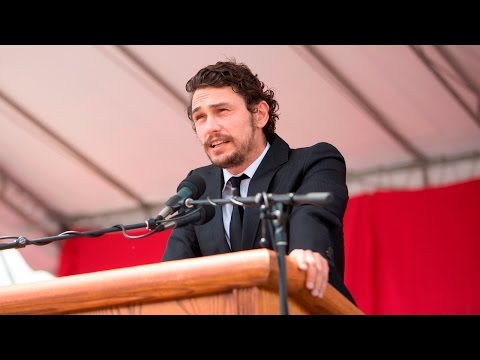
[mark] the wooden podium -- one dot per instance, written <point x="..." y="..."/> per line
<point x="230" y="284"/>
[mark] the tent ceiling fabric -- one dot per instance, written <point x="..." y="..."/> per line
<point x="89" y="130"/>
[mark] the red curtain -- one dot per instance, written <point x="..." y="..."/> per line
<point x="415" y="252"/>
<point x="110" y="251"/>
<point x="406" y="252"/>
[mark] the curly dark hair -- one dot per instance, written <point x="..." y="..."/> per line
<point x="241" y="79"/>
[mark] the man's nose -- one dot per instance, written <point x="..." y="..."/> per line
<point x="212" y="124"/>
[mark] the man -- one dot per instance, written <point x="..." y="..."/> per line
<point x="234" y="117"/>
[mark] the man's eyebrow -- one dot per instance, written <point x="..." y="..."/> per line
<point x="213" y="106"/>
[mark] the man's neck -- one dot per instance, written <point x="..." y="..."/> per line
<point x="250" y="159"/>
<point x="250" y="169"/>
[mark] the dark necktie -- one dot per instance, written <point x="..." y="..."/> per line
<point x="237" y="215"/>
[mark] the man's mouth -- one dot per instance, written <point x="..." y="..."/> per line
<point x="217" y="143"/>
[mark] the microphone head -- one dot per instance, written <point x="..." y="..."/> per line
<point x="195" y="183"/>
<point x="207" y="213"/>
<point x="197" y="216"/>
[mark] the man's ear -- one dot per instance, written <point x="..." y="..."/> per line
<point x="261" y="116"/>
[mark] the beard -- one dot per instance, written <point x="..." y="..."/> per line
<point x="241" y="152"/>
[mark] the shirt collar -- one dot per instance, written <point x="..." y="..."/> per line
<point x="249" y="170"/>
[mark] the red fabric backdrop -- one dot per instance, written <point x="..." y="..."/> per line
<point x="110" y="251"/>
<point x="415" y="252"/>
<point x="407" y="252"/>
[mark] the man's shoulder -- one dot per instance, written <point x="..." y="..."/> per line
<point x="320" y="148"/>
<point x="205" y="170"/>
<point x="313" y="152"/>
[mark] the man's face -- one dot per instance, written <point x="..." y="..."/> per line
<point x="231" y="136"/>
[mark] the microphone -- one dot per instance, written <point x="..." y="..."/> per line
<point x="192" y="186"/>
<point x="199" y="216"/>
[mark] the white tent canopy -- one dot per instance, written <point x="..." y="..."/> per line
<point x="97" y="135"/>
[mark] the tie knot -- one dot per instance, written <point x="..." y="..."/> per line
<point x="235" y="182"/>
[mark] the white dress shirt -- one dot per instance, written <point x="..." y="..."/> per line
<point x="227" y="190"/>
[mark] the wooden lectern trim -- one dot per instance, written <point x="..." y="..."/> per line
<point x="163" y="283"/>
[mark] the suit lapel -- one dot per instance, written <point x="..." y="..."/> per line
<point x="275" y="157"/>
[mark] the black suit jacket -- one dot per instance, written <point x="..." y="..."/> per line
<point x="318" y="168"/>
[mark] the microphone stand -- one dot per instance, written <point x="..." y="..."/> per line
<point x="278" y="217"/>
<point x="22" y="241"/>
<point x="281" y="242"/>
<point x="154" y="225"/>
<point x="274" y="210"/>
